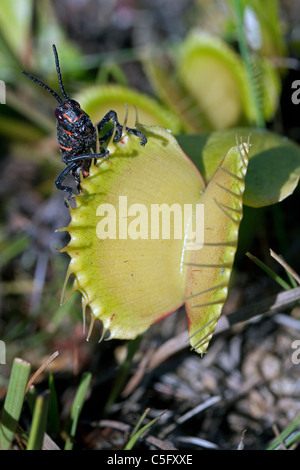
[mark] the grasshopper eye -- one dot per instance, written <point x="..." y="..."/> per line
<point x="58" y="114"/>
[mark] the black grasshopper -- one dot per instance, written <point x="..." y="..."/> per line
<point x="77" y="137"/>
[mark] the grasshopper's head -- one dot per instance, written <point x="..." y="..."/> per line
<point x="74" y="126"/>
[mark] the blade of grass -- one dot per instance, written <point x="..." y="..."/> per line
<point x="112" y="69"/>
<point x="293" y="438"/>
<point x="132" y="441"/>
<point x="292" y="280"/>
<point x="53" y="420"/>
<point x="270" y="272"/>
<point x="294" y="277"/>
<point x="77" y="407"/>
<point x="123" y="373"/>
<point x="31" y="397"/>
<point x="16" y="101"/>
<point x="39" y="422"/>
<point x="13" y="402"/>
<point x="285" y="434"/>
<point x="12" y="249"/>
<point x="138" y="425"/>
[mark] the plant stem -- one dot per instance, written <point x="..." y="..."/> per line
<point x="244" y="51"/>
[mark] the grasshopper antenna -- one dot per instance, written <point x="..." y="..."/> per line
<point x="59" y="73"/>
<point x="46" y="87"/>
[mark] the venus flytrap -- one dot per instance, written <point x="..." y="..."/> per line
<point x="130" y="283"/>
<point x="134" y="269"/>
<point x="130" y="280"/>
<point x="206" y="83"/>
<point x="209" y="269"/>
